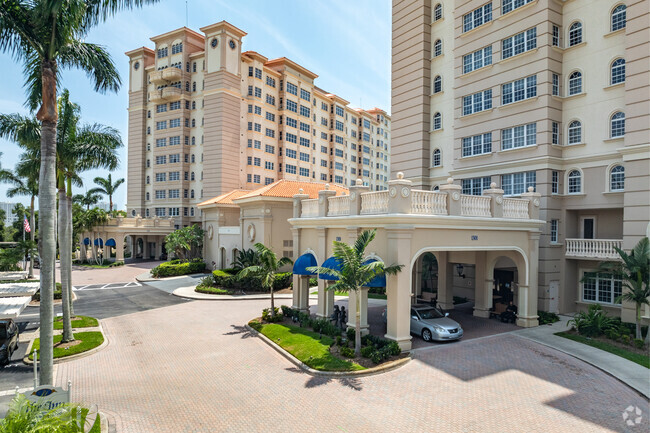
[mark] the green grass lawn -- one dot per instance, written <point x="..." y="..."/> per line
<point x="212" y="290"/>
<point x="95" y="266"/>
<point x="643" y="360"/>
<point x="305" y="345"/>
<point x="80" y="322"/>
<point x="89" y="340"/>
<point x="370" y="295"/>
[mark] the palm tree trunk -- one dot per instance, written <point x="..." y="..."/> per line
<point x="357" y="325"/>
<point x="68" y="241"/>
<point x="272" y="305"/>
<point x="638" y="321"/>
<point x="32" y="232"/>
<point x="65" y="260"/>
<point x="110" y="201"/>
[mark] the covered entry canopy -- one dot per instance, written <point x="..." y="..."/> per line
<point x="302" y="263"/>
<point x="330" y="263"/>
<point x="10" y="308"/>
<point x="378" y="281"/>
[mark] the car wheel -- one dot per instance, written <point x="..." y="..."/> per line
<point x="426" y="335"/>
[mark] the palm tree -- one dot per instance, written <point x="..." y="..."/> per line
<point x="90" y="198"/>
<point x="355" y="273"/>
<point x="107" y="187"/>
<point x="93" y="218"/>
<point x="46" y="35"/>
<point x="267" y="269"/>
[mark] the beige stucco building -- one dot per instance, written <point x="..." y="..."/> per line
<point x="542" y="93"/>
<point x="206" y="118"/>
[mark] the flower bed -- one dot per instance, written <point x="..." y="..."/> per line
<point x="226" y="282"/>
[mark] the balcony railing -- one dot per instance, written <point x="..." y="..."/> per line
<point x="593" y="248"/>
<point x="375" y="202"/>
<point x="475" y="205"/>
<point x="172" y="74"/>
<point x="429" y="203"/>
<point x="171" y="93"/>
<point x="515" y="208"/>
<point x="139" y="222"/>
<point x="338" y="205"/>
<point x="309" y="208"/>
<point x="156" y="96"/>
<point x="156" y="77"/>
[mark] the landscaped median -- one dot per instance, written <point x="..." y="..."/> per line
<point x="228" y="282"/>
<point x="84" y="341"/>
<point x="634" y="354"/>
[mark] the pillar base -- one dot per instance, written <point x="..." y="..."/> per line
<point x="527" y="322"/>
<point x="403" y="343"/>
<point x="481" y="313"/>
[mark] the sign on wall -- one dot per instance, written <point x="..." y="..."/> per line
<point x="48" y="397"/>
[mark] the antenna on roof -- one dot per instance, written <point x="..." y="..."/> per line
<point x="186" y="15"/>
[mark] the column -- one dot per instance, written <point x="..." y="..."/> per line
<point x="296" y="291"/>
<point x="398" y="288"/>
<point x="322" y="299"/>
<point x="82" y="248"/>
<point x="119" y="246"/>
<point x="304" y="294"/>
<point x="445" y="281"/>
<point x="482" y="292"/>
<point x="322" y="253"/>
<point x="527" y="302"/>
<point x="417" y="275"/>
<point x="363" y="310"/>
<point x="145" y="247"/>
<point x="159" y="247"/>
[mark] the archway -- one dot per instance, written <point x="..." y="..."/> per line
<point x="222" y="258"/>
<point x="139" y="248"/>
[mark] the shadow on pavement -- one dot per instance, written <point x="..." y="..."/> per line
<point x="353" y="383"/>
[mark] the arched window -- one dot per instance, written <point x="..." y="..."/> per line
<point x="618" y="71"/>
<point x="193" y="141"/>
<point x="193" y="123"/>
<point x="192" y="192"/>
<point x="575" y="132"/>
<point x="192" y="158"/>
<point x="617" y="125"/>
<point x="187" y="86"/>
<point x="437" y="48"/>
<point x="436" y="188"/>
<point x="148" y="180"/>
<point x="194" y="86"/>
<point x="617" y="178"/>
<point x="575" y="83"/>
<point x="437" y="12"/>
<point x="192" y="176"/>
<point x="575" y="182"/>
<point x="148" y="196"/>
<point x="148" y="130"/>
<point x="575" y="34"/>
<point x="437" y="121"/>
<point x="193" y="105"/>
<point x="436" y="158"/>
<point x="619" y="16"/>
<point x="437" y="84"/>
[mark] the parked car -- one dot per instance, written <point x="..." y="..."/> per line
<point x="8" y="340"/>
<point x="432" y="324"/>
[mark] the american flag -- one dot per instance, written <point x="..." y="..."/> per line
<point x="26" y="225"/>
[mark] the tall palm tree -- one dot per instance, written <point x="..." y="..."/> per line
<point x="355" y="273"/>
<point x="107" y="187"/>
<point x="46" y="35"/>
<point x="90" y="198"/>
<point x="91" y="219"/>
<point x="268" y="267"/>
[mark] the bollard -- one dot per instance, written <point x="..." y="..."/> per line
<point x="35" y="370"/>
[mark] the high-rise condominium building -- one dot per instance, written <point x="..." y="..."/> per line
<point x="206" y="118"/>
<point x="553" y="95"/>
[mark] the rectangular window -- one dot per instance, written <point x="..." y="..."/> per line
<point x="161" y="177"/>
<point x="323" y="149"/>
<point x="323" y="106"/>
<point x="174" y="193"/>
<point x="555" y="182"/>
<point x="175" y="141"/>
<point x="338" y="179"/>
<point x="290" y="153"/>
<point x="338" y="139"/>
<point x="477" y="17"/>
<point x="176" y="157"/>
<point x="556" y="85"/>
<point x="161" y="159"/>
<point x="268" y="180"/>
<point x="366" y="123"/>
<point x="304" y="94"/>
<point x="258" y="92"/>
<point x="339" y="125"/>
<point x="555" y="135"/>
<point x="258" y="110"/>
<point x="305" y="111"/>
<point x="270" y="100"/>
<point x="174" y="175"/>
<point x="323" y="121"/>
<point x="161" y="125"/>
<point x="477" y="59"/>
<point x="519" y="43"/>
<point x="269" y="149"/>
<point x="519" y="136"/>
<point x="292" y="88"/>
<point x="257" y="144"/>
<point x="323" y="163"/>
<point x="304" y="171"/>
<point x="269" y="133"/>
<point x="160" y="194"/>
<point x="555" y="39"/>
<point x="257" y="162"/>
<point x="258" y="73"/>
<point x="518" y="183"/>
<point x="601" y="287"/>
<point x="510" y="5"/>
<point x="292" y="138"/>
<point x="475" y="186"/>
<point x="291" y="169"/>
<point x="292" y="106"/>
<point x="304" y="156"/>
<point x="292" y="122"/>
<point x="256" y="178"/>
<point x="554" y="231"/>
<point x="338" y="152"/>
<point x="519" y="90"/>
<point x="258" y="127"/>
<point x="304" y="141"/>
<point x="250" y="71"/>
<point x="161" y="108"/>
<point x="477" y="102"/>
<point x="339" y="111"/>
<point x="175" y="123"/>
<point x="249" y="178"/>
<point x="270" y="81"/>
<point x="477" y="145"/>
<point x="366" y="136"/>
<point x="250" y="90"/>
<point x="161" y="142"/>
<point x="162" y="52"/>
<point x="268" y="165"/>
<point x="270" y="116"/>
<point x="305" y="127"/>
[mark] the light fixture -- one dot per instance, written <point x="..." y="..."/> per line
<point x="459" y="269"/>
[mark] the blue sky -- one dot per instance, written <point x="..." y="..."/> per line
<point x="347" y="43"/>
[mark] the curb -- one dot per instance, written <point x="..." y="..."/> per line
<point x="146" y="277"/>
<point x="393" y="365"/>
<point x="54" y="301"/>
<point x="27" y="361"/>
<point x="228" y="297"/>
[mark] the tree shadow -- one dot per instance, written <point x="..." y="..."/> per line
<point x="315" y="381"/>
<point x="241" y="330"/>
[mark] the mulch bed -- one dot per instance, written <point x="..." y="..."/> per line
<point x="603" y="339"/>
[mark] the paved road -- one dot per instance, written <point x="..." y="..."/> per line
<point x="206" y="373"/>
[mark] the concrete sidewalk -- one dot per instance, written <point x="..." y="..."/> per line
<point x="189" y="293"/>
<point x="628" y="372"/>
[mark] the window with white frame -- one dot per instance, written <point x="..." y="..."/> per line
<point x="555" y="182"/>
<point x="477" y="17"/>
<point x="437" y="84"/>
<point x="519" y="43"/>
<point x="304" y="171"/>
<point x="291" y="169"/>
<point x="619" y="17"/>
<point x="617" y="125"/>
<point x="437" y="48"/>
<point x="519" y="90"/>
<point x="617" y="178"/>
<point x="574" y="182"/>
<point x="160" y="194"/>
<point x="519" y="136"/>
<point x="518" y="183"/>
<point x="510" y="5"/>
<point x="575" y="83"/>
<point x="556" y="85"/>
<point x="437" y="12"/>
<point x="555" y="37"/>
<point x="575" y="34"/>
<point x="292" y="88"/>
<point x="437" y="162"/>
<point x="477" y="102"/>
<point x="437" y="121"/>
<point x="292" y="106"/>
<point x="554" y="227"/>
<point x="575" y="132"/>
<point x="477" y="59"/>
<point x="601" y="287"/>
<point x="475" y="186"/>
<point x="477" y="145"/>
<point x="618" y="71"/>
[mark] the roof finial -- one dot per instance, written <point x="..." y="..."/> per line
<point x="301" y="191"/>
<point x="400" y="175"/>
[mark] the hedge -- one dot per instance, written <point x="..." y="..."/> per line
<point x="176" y="267"/>
<point x="228" y="280"/>
<point x="57" y="293"/>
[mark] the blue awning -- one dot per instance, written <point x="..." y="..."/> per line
<point x="378" y="281"/>
<point x="302" y="263"/>
<point x="110" y="243"/>
<point x="99" y="242"/>
<point x="86" y="241"/>
<point x="330" y="263"/>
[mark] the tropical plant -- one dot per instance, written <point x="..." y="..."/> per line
<point x="355" y="272"/>
<point x="46" y="35"/>
<point x="9" y="258"/>
<point x="268" y="267"/>
<point x="107" y="187"/>
<point x="89" y="198"/>
<point x="91" y="219"/>
<point x="182" y="242"/>
<point x="594" y="322"/>
<point x="246" y="258"/>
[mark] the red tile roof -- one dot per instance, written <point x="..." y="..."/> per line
<point x="226" y="198"/>
<point x="289" y="188"/>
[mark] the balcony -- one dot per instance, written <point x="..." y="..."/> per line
<point x="171" y="93"/>
<point x="156" y="78"/>
<point x="156" y="96"/>
<point x="597" y="249"/>
<point x="172" y="74"/>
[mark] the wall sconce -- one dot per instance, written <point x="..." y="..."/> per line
<point x="459" y="269"/>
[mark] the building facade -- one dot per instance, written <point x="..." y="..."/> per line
<point x="553" y="95"/>
<point x="10" y="218"/>
<point x="206" y="118"/>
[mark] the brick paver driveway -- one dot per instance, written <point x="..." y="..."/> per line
<point x="193" y="368"/>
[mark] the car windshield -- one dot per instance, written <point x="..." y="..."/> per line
<point x="3" y="331"/>
<point x="430" y="313"/>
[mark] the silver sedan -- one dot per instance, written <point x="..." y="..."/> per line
<point x="432" y="324"/>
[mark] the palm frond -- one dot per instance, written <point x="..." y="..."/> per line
<point x="96" y="147"/>
<point x="99" y="10"/>
<point x="95" y="61"/>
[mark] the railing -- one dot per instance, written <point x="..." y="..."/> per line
<point x="155" y="96"/>
<point x="475" y="205"/>
<point x="429" y="203"/>
<point x="172" y="93"/>
<point x="593" y="248"/>
<point x="515" y="208"/>
<point x="156" y="77"/>
<point x="309" y="208"/>
<point x="338" y="205"/>
<point x="172" y="74"/>
<point x="375" y="202"/>
<point x="139" y="222"/>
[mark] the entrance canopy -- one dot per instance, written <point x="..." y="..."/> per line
<point x="302" y="263"/>
<point x="110" y="242"/>
<point x="378" y="281"/>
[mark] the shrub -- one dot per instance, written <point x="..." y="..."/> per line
<point x="116" y="264"/>
<point x="206" y="281"/>
<point x="545" y="317"/>
<point x="347" y="352"/>
<point x="282" y="280"/>
<point x="367" y="351"/>
<point x="612" y="334"/>
<point x="266" y="315"/>
<point x="255" y="325"/>
<point x="350" y="333"/>
<point x="339" y="340"/>
<point x="625" y="339"/>
<point x="313" y="282"/>
<point x="592" y="323"/>
<point x="211" y="290"/>
<point x="175" y="267"/>
<point x="57" y="293"/>
<point x="639" y="343"/>
<point x="223" y="279"/>
<point x="288" y="311"/>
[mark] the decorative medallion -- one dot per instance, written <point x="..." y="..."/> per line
<point x="136" y="65"/>
<point x="251" y="232"/>
<point x="393" y="192"/>
<point x="455" y="196"/>
<point x="214" y="42"/>
<point x="210" y="231"/>
<point x="353" y="196"/>
<point x="536" y="202"/>
<point x="406" y="192"/>
<point x="232" y="44"/>
<point x="267" y="210"/>
<point x="499" y="199"/>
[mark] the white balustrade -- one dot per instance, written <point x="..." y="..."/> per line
<point x="515" y="208"/>
<point x="309" y="208"/>
<point x="475" y="205"/>
<point x="593" y="248"/>
<point x="338" y="205"/>
<point x="428" y="202"/>
<point x="375" y="202"/>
